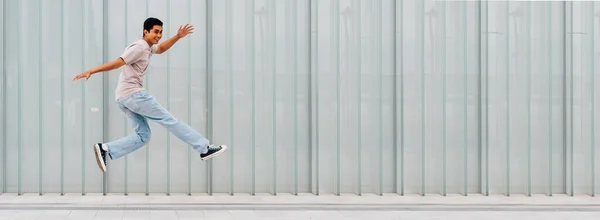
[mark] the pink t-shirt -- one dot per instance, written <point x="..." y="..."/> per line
<point x="137" y="57"/>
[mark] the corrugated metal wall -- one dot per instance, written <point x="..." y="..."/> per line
<point x="336" y="96"/>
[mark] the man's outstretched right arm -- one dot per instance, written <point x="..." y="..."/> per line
<point x="119" y="62"/>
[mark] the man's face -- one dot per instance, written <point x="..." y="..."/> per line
<point x="154" y="35"/>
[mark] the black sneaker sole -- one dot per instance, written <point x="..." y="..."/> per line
<point x="215" y="154"/>
<point x="99" y="160"/>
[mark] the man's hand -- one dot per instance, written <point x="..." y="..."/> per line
<point x="185" y="30"/>
<point x="85" y="75"/>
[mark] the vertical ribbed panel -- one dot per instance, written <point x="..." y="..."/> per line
<point x="323" y="97"/>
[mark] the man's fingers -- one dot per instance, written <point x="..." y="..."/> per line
<point x="83" y="75"/>
<point x="186" y="29"/>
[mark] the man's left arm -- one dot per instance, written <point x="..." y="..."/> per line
<point x="181" y="33"/>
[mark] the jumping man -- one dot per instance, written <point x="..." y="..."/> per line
<point x="138" y="105"/>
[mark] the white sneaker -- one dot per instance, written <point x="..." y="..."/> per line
<point x="213" y="152"/>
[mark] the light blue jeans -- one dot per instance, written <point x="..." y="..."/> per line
<point x="141" y="106"/>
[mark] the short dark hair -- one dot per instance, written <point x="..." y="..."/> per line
<point x="150" y="22"/>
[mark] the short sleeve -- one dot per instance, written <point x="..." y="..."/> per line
<point x="132" y="54"/>
<point x="154" y="48"/>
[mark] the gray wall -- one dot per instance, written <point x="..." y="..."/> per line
<point x="337" y="96"/>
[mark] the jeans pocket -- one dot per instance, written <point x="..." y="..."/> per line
<point x="132" y="105"/>
<point x="129" y="103"/>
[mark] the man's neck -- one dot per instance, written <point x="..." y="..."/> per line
<point x="149" y="44"/>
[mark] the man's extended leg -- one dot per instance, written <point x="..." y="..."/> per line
<point x="146" y="105"/>
<point x="125" y="145"/>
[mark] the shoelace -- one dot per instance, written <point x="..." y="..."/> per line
<point x="212" y="147"/>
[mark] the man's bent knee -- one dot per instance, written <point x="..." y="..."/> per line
<point x="144" y="137"/>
